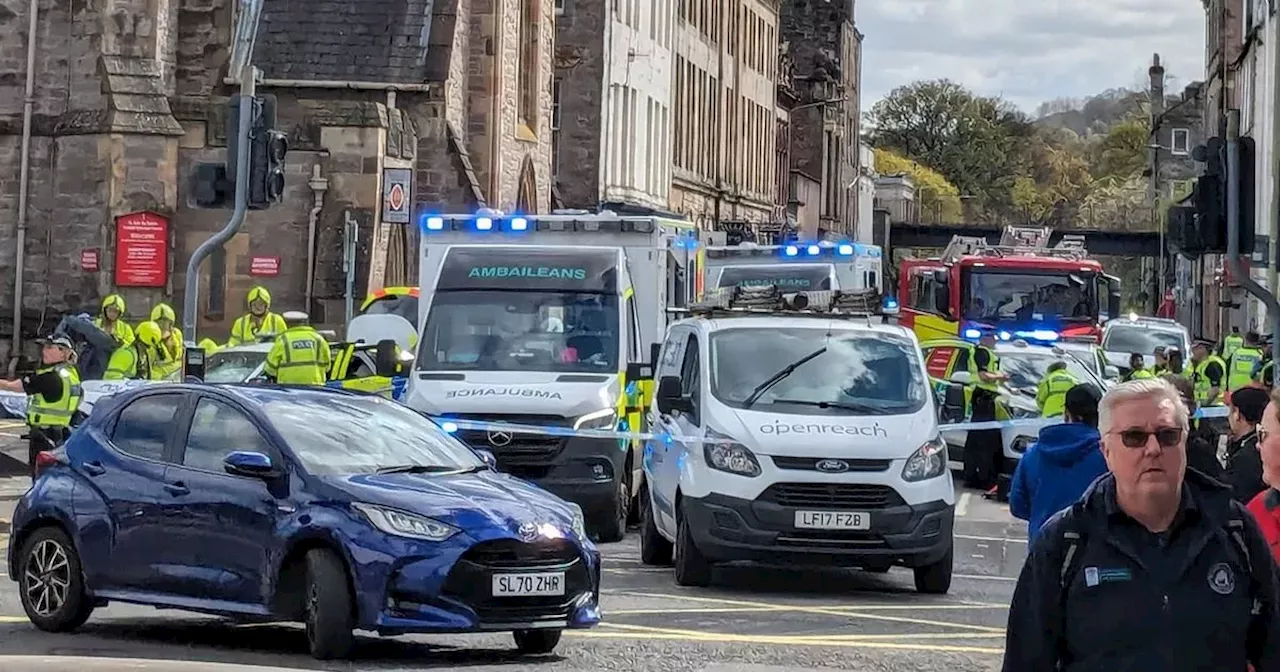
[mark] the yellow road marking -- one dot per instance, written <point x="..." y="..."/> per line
<point x="821" y="610"/>
<point x="763" y="639"/>
<point x="13" y="619"/>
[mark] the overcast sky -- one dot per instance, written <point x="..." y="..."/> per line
<point x="1028" y="51"/>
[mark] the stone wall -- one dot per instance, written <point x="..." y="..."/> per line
<point x="580" y="69"/>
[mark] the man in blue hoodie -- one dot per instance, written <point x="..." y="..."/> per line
<point x="1062" y="464"/>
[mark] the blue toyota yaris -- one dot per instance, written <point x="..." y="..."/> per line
<point x="338" y="509"/>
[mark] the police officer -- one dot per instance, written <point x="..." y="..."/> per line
<point x="133" y="362"/>
<point x="111" y="320"/>
<point x="983" y="448"/>
<point x="1231" y="343"/>
<point x="1208" y="374"/>
<point x="1051" y="394"/>
<point x="1155" y="567"/>
<point x="1161" y="366"/>
<point x="1137" y="370"/>
<point x="299" y="356"/>
<point x="167" y="353"/>
<point x="1244" y="362"/>
<point x="54" y="396"/>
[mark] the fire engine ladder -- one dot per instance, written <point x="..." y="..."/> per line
<point x="1017" y="240"/>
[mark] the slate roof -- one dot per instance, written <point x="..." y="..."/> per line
<point x="358" y="40"/>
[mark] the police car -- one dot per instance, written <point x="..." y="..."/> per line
<point x="947" y="362"/>
<point x="795" y="432"/>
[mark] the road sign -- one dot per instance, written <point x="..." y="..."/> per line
<point x="89" y="260"/>
<point x="264" y="267"/>
<point x="396" y="186"/>
<point x="142" y="250"/>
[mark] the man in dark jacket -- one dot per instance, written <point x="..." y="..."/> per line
<point x="1059" y="467"/>
<point x="1148" y="571"/>
<point x="1244" y="464"/>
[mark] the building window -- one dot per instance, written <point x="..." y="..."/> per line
<point x="555" y="122"/>
<point x="529" y="67"/>
<point x="1181" y="141"/>
<point x="559" y="7"/>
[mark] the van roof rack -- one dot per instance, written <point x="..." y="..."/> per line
<point x="1017" y="241"/>
<point x="769" y="300"/>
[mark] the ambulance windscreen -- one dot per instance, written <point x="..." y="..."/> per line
<point x="787" y="277"/>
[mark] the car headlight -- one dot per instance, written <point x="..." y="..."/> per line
<point x="929" y="461"/>
<point x="579" y="521"/>
<point x="1022" y="442"/>
<point x="604" y="418"/>
<point x="402" y="524"/>
<point x="733" y="458"/>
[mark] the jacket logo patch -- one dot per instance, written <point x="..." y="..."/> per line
<point x="1093" y="576"/>
<point x="1221" y="579"/>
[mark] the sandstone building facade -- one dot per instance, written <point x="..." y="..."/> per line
<point x="612" y="104"/>
<point x="451" y="98"/>
<point x="725" y="121"/>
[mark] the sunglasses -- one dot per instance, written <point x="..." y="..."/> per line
<point x="1167" y="437"/>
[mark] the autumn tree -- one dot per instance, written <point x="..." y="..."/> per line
<point x="939" y="200"/>
<point x="1122" y="152"/>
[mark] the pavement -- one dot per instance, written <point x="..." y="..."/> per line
<point x="752" y="619"/>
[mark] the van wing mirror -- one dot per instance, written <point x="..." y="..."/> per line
<point x="669" y="397"/>
<point x="1113" y="296"/>
<point x="386" y="360"/>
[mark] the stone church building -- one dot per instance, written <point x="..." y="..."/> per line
<point x="449" y="98"/>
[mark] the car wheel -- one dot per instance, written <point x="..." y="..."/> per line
<point x="330" y="613"/>
<point x="52" y="582"/>
<point x="536" y="642"/>
<point x="654" y="549"/>
<point x="935" y="579"/>
<point x="692" y="568"/>
<point x="613" y="522"/>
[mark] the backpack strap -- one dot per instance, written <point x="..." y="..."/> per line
<point x="1235" y="529"/>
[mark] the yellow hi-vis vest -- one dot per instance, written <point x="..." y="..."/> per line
<point x="244" y="331"/>
<point x="1243" y="363"/>
<point x="167" y="356"/>
<point x="42" y="413"/>
<point x="1139" y="374"/>
<point x="127" y="363"/>
<point x="1230" y="344"/>
<point x="299" y="356"/>
<point x="993" y="366"/>
<point x="1051" y="394"/>
<point x="1201" y="381"/>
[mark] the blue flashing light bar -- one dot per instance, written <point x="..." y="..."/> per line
<point x="484" y="223"/>
<point x="972" y="333"/>
<point x="814" y="250"/>
<point x="1004" y="335"/>
<point x="435" y="223"/>
<point x="1039" y="335"/>
<point x="449" y="427"/>
<point x="519" y="224"/>
<point x="791" y="250"/>
<point x="844" y="250"/>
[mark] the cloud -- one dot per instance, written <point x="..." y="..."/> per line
<point x="1028" y="51"/>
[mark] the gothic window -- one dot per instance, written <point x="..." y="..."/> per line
<point x="529" y="66"/>
<point x="527" y="196"/>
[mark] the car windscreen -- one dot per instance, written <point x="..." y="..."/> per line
<point x="996" y="296"/>
<point x="232" y="366"/>
<point x="786" y="277"/>
<point x="1141" y="339"/>
<point x="1027" y="369"/>
<point x="360" y="435"/>
<point x="852" y="373"/>
<point x="498" y="330"/>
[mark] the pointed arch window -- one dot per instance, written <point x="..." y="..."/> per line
<point x="530" y="36"/>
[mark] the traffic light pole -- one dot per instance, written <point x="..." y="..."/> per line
<point x="1238" y="272"/>
<point x="191" y="295"/>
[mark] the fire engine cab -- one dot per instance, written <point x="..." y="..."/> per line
<point x="1021" y="288"/>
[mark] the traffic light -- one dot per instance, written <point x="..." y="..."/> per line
<point x="1210" y="196"/>
<point x="267" y="153"/>
<point x="210" y="188"/>
<point x="1248" y="182"/>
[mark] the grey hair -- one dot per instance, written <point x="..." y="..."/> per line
<point x="1147" y="388"/>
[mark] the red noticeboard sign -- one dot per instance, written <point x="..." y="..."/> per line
<point x="142" y="250"/>
<point x="89" y="260"/>
<point x="268" y="267"/>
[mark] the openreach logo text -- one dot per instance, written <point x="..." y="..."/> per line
<point x="809" y="428"/>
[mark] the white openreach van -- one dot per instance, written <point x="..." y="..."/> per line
<point x="800" y="430"/>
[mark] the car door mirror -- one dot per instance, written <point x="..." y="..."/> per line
<point x="962" y="378"/>
<point x="248" y="463"/>
<point x="952" y="404"/>
<point x="488" y="458"/>
<point x="386" y="360"/>
<point x="669" y="397"/>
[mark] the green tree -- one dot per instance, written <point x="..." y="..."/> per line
<point x="1054" y="178"/>
<point x="939" y="199"/>
<point x="973" y="141"/>
<point x="1122" y="152"/>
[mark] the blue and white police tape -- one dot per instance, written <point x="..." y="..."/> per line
<point x="453" y="425"/>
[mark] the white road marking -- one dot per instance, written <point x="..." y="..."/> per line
<point x="1000" y="539"/>
<point x="962" y="506"/>
<point x="980" y="577"/>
